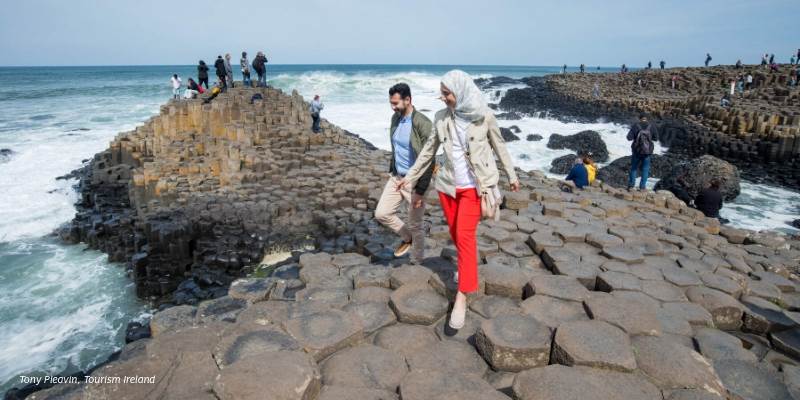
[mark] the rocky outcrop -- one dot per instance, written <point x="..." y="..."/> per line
<point x="697" y="174"/>
<point x="616" y="173"/>
<point x="563" y="164"/>
<point x="597" y="294"/>
<point x="5" y="155"/>
<point x="582" y="143"/>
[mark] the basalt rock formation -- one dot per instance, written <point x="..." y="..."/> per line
<point x="759" y="132"/>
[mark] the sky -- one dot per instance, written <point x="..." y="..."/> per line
<point x="478" y="32"/>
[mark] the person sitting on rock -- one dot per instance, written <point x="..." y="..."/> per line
<point x="409" y="129"/>
<point x="577" y="175"/>
<point x="591" y="168"/>
<point x="709" y="200"/>
<point x="643" y="136"/>
<point x="215" y="91"/>
<point x="726" y="100"/>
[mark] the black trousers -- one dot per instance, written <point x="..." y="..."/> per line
<point x="203" y="81"/>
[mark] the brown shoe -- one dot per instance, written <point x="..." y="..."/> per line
<point x="402" y="249"/>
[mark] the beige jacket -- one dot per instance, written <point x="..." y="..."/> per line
<point x="483" y="141"/>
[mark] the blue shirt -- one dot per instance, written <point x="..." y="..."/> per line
<point x="579" y="175"/>
<point x="404" y="156"/>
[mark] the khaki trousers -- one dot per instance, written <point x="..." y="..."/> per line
<point x="386" y="213"/>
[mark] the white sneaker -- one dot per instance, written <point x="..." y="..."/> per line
<point x="457" y="318"/>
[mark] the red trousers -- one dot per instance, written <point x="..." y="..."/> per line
<point x="463" y="214"/>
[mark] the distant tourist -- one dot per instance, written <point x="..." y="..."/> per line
<point x="674" y="81"/>
<point x="725" y="101"/>
<point x="709" y="200"/>
<point x="740" y="85"/>
<point x="245" y="65"/>
<point x="408" y="132"/>
<point x="215" y="91"/>
<point x="591" y="168"/>
<point x="202" y="73"/>
<point x="624" y="69"/>
<point x="176" y="86"/>
<point x="228" y="70"/>
<point x="219" y="66"/>
<point x="749" y="81"/>
<point x="738" y="64"/>
<point x="791" y="60"/>
<point x="642" y="135"/>
<point x="662" y="63"/>
<point x="583" y="68"/>
<point x="577" y="175"/>
<point x="596" y="91"/>
<point x="708" y="58"/>
<point x="190" y="94"/>
<point x="315" y="108"/>
<point x="733" y="86"/>
<point x="192" y="85"/>
<point x="259" y="65"/>
<point x="649" y="65"/>
<point x="564" y="69"/>
<point x="468" y="177"/>
<point x="798" y="56"/>
<point x="772" y="59"/>
<point x="764" y="58"/>
<point x="773" y="67"/>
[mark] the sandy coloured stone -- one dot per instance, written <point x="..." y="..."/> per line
<point x="172" y="318"/>
<point x="447" y="385"/>
<point x="373" y="276"/>
<point x="612" y="281"/>
<point x="623" y="253"/>
<point x="497" y="234"/>
<point x="762" y="316"/>
<point x="558" y="382"/>
<point x="724" y="309"/>
<point x="690" y="394"/>
<point x="405" y="339"/>
<point x="717" y="345"/>
<point x="681" y="276"/>
<point x="602" y="240"/>
<point x="317" y="273"/>
<point x="493" y="306"/>
<point x="277" y="311"/>
<point x="784" y="284"/>
<point x="348" y="393"/>
<point x="673" y="323"/>
<point x="251" y="290"/>
<point x="695" y="265"/>
<point x="552" y="311"/>
<point x="472" y="322"/>
<point x="371" y="293"/>
<point x="223" y="308"/>
<point x="332" y="296"/>
<point x="516" y="248"/>
<point x="551" y="255"/>
<point x="722" y="283"/>
<point x="344" y="260"/>
<point x="693" y="313"/>
<point x="663" y="291"/>
<point x="541" y="240"/>
<point x="373" y="315"/>
<point x="638" y="297"/>
<point x="418" y="304"/>
<point x="447" y="355"/>
<point x="582" y="270"/>
<point x="626" y="314"/>
<point x="365" y="366"/>
<point x="275" y="375"/>
<point x="253" y="340"/>
<point x="744" y="380"/>
<point x="326" y="332"/>
<point x="594" y="344"/>
<point x="513" y="342"/>
<point x="408" y="274"/>
<point x="764" y="290"/>
<point x="504" y="280"/>
<point x="558" y="286"/>
<point x="671" y="365"/>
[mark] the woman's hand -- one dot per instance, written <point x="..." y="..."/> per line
<point x="515" y="186"/>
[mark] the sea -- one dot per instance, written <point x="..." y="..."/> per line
<point x="64" y="308"/>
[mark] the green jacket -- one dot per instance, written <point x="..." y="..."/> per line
<point x="421" y="129"/>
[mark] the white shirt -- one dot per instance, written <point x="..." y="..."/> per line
<point x="176" y="83"/>
<point x="190" y="94"/>
<point x="463" y="175"/>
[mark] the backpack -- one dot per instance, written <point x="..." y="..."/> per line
<point x="255" y="97"/>
<point x="643" y="144"/>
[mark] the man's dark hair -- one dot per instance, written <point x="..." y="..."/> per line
<point x="715" y="184"/>
<point x="642" y="116"/>
<point x="402" y="89"/>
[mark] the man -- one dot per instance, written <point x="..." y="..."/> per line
<point x="245" y="65"/>
<point x="259" y="65"/>
<point x="642" y="135"/>
<point x="709" y="200"/>
<point x="408" y="132"/>
<point x="708" y="58"/>
<point x="315" y="107"/>
<point x="228" y="70"/>
<point x="219" y="66"/>
<point x="663" y="64"/>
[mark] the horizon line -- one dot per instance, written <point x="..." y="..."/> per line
<point x="320" y="64"/>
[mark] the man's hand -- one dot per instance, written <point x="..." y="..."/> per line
<point x="515" y="186"/>
<point x="400" y="184"/>
<point x="416" y="200"/>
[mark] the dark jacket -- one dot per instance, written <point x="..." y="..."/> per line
<point x="219" y="65"/>
<point x="709" y="201"/>
<point x="638" y="127"/>
<point x="202" y="71"/>
<point x="579" y="175"/>
<point x="258" y="64"/>
<point x="421" y="129"/>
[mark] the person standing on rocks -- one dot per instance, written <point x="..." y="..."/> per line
<point x="245" y="66"/>
<point x="468" y="131"/>
<point x="259" y="65"/>
<point x="708" y="58"/>
<point x="408" y="132"/>
<point x="219" y="66"/>
<point x="564" y="69"/>
<point x="176" y="86"/>
<point x="649" y="65"/>
<point x="749" y="81"/>
<point x="663" y="64"/>
<point x="643" y="136"/>
<point x="202" y="73"/>
<point x="315" y="108"/>
<point x="228" y="70"/>
<point x="583" y="68"/>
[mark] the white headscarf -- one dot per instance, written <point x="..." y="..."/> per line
<point x="470" y="104"/>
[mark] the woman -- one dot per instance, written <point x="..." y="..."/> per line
<point x="468" y="131"/>
<point x="202" y="73"/>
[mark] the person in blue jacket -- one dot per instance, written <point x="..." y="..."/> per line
<point x="578" y="174"/>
